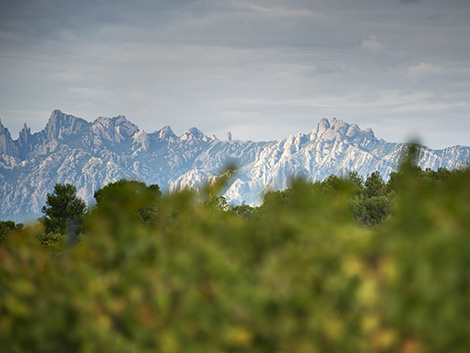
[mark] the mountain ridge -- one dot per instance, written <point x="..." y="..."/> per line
<point x="91" y="154"/>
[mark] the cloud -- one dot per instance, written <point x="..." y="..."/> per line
<point x="189" y="62"/>
<point x="384" y="98"/>
<point x="280" y="12"/>
<point x="422" y="70"/>
<point x="373" y="44"/>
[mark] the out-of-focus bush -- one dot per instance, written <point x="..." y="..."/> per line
<point x="298" y="274"/>
<point x="7" y="227"/>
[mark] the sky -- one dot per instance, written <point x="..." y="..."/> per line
<point x="261" y="69"/>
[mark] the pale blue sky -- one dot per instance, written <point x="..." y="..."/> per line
<point x="260" y="69"/>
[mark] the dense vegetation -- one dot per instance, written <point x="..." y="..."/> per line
<point x="343" y="265"/>
<point x="7" y="227"/>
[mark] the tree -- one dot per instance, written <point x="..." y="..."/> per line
<point x="374" y="204"/>
<point x="374" y="185"/>
<point x="245" y="211"/>
<point x="64" y="212"/>
<point x="128" y="200"/>
<point x="217" y="203"/>
<point x="6" y="227"/>
<point x="356" y="181"/>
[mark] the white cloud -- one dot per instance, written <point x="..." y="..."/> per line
<point x="422" y="70"/>
<point x="281" y="12"/>
<point x="361" y="100"/>
<point x="373" y="44"/>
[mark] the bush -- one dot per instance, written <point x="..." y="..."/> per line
<point x="7" y="227"/>
<point x="301" y="276"/>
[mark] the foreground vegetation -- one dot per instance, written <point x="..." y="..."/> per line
<point x="340" y="266"/>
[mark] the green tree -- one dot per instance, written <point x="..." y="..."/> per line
<point x="333" y="183"/>
<point x="6" y="227"/>
<point x="129" y="200"/>
<point x="374" y="203"/>
<point x="374" y="185"/>
<point x="356" y="181"/>
<point x="245" y="211"/>
<point x="217" y="203"/>
<point x="64" y="212"/>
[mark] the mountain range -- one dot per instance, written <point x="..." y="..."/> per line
<point x="92" y="154"/>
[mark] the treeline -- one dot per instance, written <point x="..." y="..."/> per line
<point x="370" y="201"/>
<point x="343" y="265"/>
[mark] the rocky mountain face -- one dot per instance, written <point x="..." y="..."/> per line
<point x="92" y="154"/>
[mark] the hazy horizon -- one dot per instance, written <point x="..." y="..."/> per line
<point x="222" y="137"/>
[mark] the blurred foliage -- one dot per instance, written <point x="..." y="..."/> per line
<point x="7" y="227"/>
<point x="170" y="273"/>
<point x="126" y="202"/>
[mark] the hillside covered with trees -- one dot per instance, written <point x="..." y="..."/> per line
<point x="343" y="265"/>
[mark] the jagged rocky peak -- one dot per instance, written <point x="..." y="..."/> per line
<point x="192" y="133"/>
<point x="24" y="142"/>
<point x="320" y="129"/>
<point x="118" y="123"/>
<point x="141" y="139"/>
<point x="368" y="131"/>
<point x="328" y="131"/>
<point x="7" y="146"/>
<point x="115" y="129"/>
<point x="25" y="136"/>
<point x="353" y="130"/>
<point x="339" y="126"/>
<point x="61" y="125"/>
<point x="293" y="143"/>
<point x="166" y="133"/>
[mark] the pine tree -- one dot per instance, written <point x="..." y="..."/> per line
<point x="64" y="212"/>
